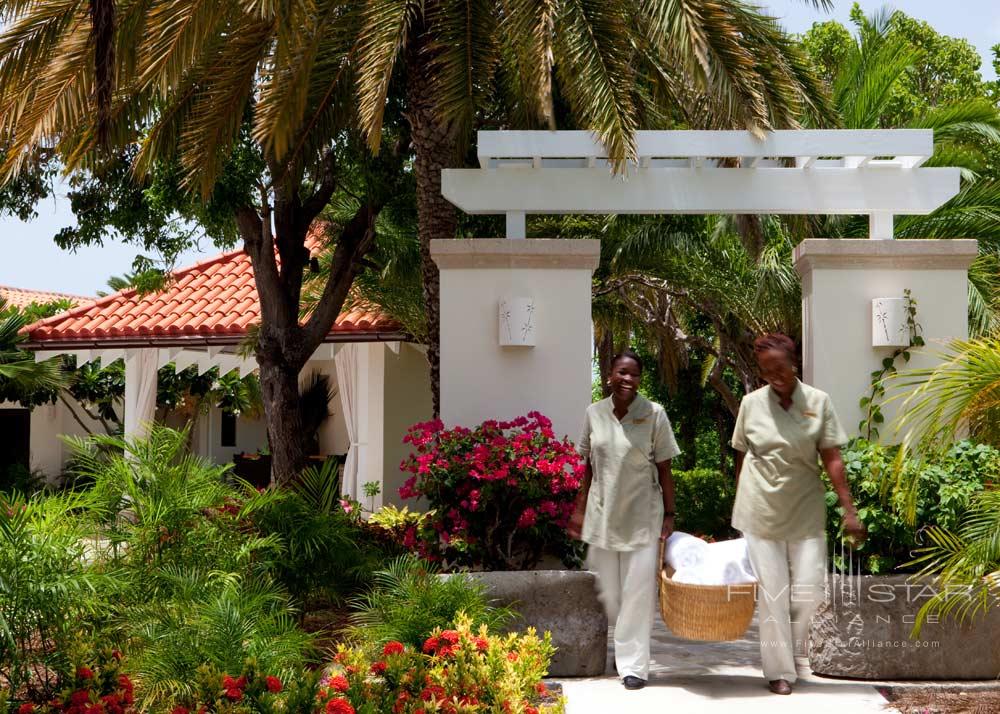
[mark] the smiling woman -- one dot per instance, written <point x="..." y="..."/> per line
<point x="626" y="502"/>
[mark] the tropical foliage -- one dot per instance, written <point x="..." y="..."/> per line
<point x="22" y="379"/>
<point x="934" y="491"/>
<point x="409" y="598"/>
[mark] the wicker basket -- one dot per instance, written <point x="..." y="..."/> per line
<point x="710" y="613"/>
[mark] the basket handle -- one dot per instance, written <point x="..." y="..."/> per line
<point x="663" y="553"/>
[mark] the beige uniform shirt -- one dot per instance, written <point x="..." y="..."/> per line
<point x="780" y="495"/>
<point x="625" y="502"/>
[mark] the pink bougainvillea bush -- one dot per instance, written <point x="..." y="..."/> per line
<point x="502" y="493"/>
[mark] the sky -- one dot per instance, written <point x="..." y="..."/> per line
<point x="30" y="259"/>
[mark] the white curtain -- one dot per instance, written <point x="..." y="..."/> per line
<point x="348" y="363"/>
<point x="140" y="391"/>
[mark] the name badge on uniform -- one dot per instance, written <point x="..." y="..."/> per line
<point x="806" y="412"/>
<point x="639" y="421"/>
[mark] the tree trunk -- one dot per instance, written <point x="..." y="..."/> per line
<point x="435" y="148"/>
<point x="283" y="345"/>
<point x="693" y="397"/>
<point x="605" y="352"/>
<point x="279" y="384"/>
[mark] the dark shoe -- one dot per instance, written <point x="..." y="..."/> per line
<point x="780" y="686"/>
<point x="631" y="682"/>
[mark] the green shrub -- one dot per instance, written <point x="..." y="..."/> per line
<point x="326" y="555"/>
<point x="48" y="591"/>
<point x="409" y="599"/>
<point x="200" y="580"/>
<point x="943" y="487"/>
<point x="704" y="502"/>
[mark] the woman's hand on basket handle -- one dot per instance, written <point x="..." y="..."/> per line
<point x="668" y="527"/>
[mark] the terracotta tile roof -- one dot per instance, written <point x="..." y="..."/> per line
<point x="19" y="297"/>
<point x="215" y="300"/>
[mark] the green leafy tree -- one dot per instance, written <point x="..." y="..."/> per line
<point x="920" y="68"/>
<point x="202" y="93"/>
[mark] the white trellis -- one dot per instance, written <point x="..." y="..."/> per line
<point x="878" y="173"/>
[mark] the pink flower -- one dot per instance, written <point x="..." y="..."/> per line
<point x="528" y="518"/>
<point x="346" y="505"/>
<point x="549" y="508"/>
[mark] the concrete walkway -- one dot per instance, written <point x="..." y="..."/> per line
<point x="712" y="678"/>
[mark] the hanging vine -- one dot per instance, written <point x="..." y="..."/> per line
<point x="871" y="403"/>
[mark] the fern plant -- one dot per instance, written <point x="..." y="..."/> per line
<point x="409" y="599"/>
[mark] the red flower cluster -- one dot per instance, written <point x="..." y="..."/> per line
<point x="339" y="706"/>
<point x="91" y="696"/>
<point x="393" y="648"/>
<point x="233" y="688"/>
<point x="512" y="473"/>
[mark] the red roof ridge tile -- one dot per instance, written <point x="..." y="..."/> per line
<point x="125" y="292"/>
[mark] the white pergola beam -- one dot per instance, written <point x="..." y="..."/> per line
<point x="802" y="142"/>
<point x="701" y="191"/>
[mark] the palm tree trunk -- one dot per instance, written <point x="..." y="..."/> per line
<point x="435" y="148"/>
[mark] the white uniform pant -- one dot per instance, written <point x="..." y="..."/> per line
<point x="627" y="588"/>
<point x="791" y="579"/>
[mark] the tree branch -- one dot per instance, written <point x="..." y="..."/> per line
<point x="356" y="239"/>
<point x="326" y="185"/>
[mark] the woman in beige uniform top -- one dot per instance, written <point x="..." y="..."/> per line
<point x="782" y="432"/>
<point x="626" y="504"/>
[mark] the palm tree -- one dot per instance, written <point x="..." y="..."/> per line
<point x="20" y="374"/>
<point x="615" y="64"/>
<point x="251" y="102"/>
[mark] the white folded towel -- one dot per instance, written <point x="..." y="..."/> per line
<point x="685" y="551"/>
<point x="723" y="563"/>
<point x="735" y="552"/>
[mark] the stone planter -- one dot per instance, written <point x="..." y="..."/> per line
<point x="563" y="602"/>
<point x="863" y="631"/>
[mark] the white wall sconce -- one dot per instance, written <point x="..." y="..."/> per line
<point x="517" y="322"/>
<point x="889" y="326"/>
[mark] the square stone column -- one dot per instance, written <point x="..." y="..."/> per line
<point x="841" y="277"/>
<point x="480" y="379"/>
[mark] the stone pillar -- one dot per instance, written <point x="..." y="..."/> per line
<point x="840" y="278"/>
<point x="480" y="379"/>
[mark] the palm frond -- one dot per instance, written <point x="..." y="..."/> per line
<point x="592" y="53"/>
<point x="386" y="27"/>
<point x="465" y="53"/>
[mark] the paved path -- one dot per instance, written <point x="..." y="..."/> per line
<point x="712" y="678"/>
